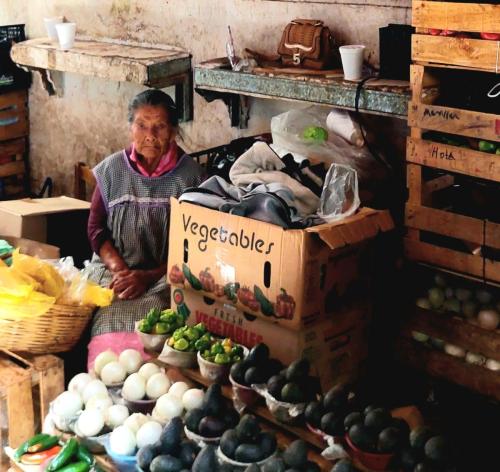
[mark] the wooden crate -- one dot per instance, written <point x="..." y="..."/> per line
<point x="12" y="157"/>
<point x="468" y="53"/>
<point x="27" y="385"/>
<point x="419" y="216"/>
<point x="13" y="115"/>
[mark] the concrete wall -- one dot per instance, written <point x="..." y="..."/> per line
<point x="88" y="122"/>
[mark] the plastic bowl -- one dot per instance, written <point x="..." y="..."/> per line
<point x="140" y="406"/>
<point x="151" y="342"/>
<point x="175" y="358"/>
<point x="244" y="394"/>
<point x="241" y="465"/>
<point x="213" y="372"/>
<point x="123" y="463"/>
<point x="282" y="410"/>
<point x="201" y="440"/>
<point x="318" y="432"/>
<point x="371" y="460"/>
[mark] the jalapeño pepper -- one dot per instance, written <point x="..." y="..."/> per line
<point x="64" y="456"/>
<point x="75" y="467"/>
<point x="84" y="455"/>
<point x="23" y="448"/>
<point x="44" y="444"/>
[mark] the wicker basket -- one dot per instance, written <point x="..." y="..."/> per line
<point x="58" y="330"/>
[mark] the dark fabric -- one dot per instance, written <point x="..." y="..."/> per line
<point x="97" y="229"/>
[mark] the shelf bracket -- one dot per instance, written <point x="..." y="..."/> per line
<point x="238" y="106"/>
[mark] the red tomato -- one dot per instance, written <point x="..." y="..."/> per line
<point x="434" y="32"/>
<point x="491" y="36"/>
<point x="448" y="33"/>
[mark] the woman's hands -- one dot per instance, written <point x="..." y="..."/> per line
<point x="130" y="284"/>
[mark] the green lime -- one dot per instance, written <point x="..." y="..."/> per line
<point x="315" y="133"/>
<point x="181" y="344"/>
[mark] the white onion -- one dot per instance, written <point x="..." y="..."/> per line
<point x="475" y="359"/>
<point x="148" y="433"/>
<point x="94" y="387"/>
<point x="102" y="359"/>
<point x="135" y="421"/>
<point x="157" y="385"/>
<point x="134" y="387"/>
<point x="168" y="406"/>
<point x="113" y="373"/>
<point x="67" y="404"/>
<point x="100" y="401"/>
<point x="178" y="389"/>
<point x="488" y="319"/>
<point x="122" y="441"/>
<point x="147" y="370"/>
<point x="455" y="351"/>
<point x="192" y="398"/>
<point x="420" y="337"/>
<point x="115" y="416"/>
<point x="79" y="382"/>
<point x="492" y="364"/>
<point x="131" y="360"/>
<point x="90" y="423"/>
<point x="157" y="417"/>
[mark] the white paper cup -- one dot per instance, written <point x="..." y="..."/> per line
<point x="66" y="34"/>
<point x="50" y="26"/>
<point x="352" y="61"/>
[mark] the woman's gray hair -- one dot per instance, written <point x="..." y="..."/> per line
<point x="156" y="98"/>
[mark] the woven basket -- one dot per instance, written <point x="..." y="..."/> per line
<point x="58" y="330"/>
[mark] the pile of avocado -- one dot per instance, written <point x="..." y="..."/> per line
<point x="294" y="384"/>
<point x="191" y="338"/>
<point x="172" y="453"/>
<point x="246" y="443"/>
<point x="214" y="416"/>
<point x="256" y="368"/>
<point x="344" y="465"/>
<point x="327" y="414"/>
<point x="161" y="322"/>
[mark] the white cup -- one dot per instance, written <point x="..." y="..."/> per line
<point x="50" y="25"/>
<point x="66" y="34"/>
<point x="352" y="61"/>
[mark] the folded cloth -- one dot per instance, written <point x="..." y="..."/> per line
<point x="260" y="164"/>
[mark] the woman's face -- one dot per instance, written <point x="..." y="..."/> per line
<point x="151" y="131"/>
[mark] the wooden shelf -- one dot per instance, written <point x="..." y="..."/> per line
<point x="454" y="370"/>
<point x="156" y="67"/>
<point x="389" y="98"/>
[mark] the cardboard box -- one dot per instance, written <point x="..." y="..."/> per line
<point x="33" y="248"/>
<point x="289" y="276"/>
<point x="59" y="221"/>
<point x="334" y="346"/>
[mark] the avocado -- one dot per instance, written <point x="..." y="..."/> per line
<point x="344" y="465"/>
<point x="272" y="367"/>
<point x="144" y="457"/>
<point x="229" y="443"/>
<point x="332" y="424"/>
<point x="165" y="463"/>
<point x="419" y="436"/>
<point x="230" y="418"/>
<point x="275" y="464"/>
<point x="193" y="418"/>
<point x="253" y="375"/>
<point x="171" y="435"/>
<point x="248" y="428"/>
<point x="437" y="449"/>
<point x="388" y="440"/>
<point x="377" y="420"/>
<point x="237" y="372"/>
<point x="295" y="454"/>
<point x="188" y="452"/>
<point x="213" y="401"/>
<point x="258" y="355"/>
<point x="311" y="467"/>
<point x="409" y="458"/>
<point x="336" y="398"/>
<point x="369" y="408"/>
<point x="351" y="419"/>
<point x="275" y="384"/>
<point x="206" y="460"/>
<point x="225" y="468"/>
<point x="362" y="437"/>
<point x="426" y="466"/>
<point x="291" y="393"/>
<point x="248" y="453"/>
<point x="404" y="430"/>
<point x="267" y="444"/>
<point x="252" y="468"/>
<point x="211" y="427"/>
<point x="312" y="387"/>
<point x="297" y="370"/>
<point x="313" y="413"/>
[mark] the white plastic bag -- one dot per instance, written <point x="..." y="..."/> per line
<point x="340" y="195"/>
<point x="288" y="132"/>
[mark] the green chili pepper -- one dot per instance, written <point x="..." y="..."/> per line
<point x="486" y="146"/>
<point x="44" y="444"/>
<point x="75" y="467"/>
<point x="23" y="448"/>
<point x="64" y="456"/>
<point x="84" y="455"/>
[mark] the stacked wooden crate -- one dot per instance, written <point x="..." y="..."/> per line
<point x="429" y="53"/>
<point x="13" y="143"/>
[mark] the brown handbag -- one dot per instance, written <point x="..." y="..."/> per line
<point x="307" y="44"/>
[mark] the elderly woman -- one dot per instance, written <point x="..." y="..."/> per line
<point x="129" y="220"/>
